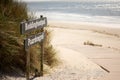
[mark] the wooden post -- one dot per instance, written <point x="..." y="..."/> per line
<point x="27" y="62"/>
<point x="41" y="58"/>
<point x="42" y="53"/>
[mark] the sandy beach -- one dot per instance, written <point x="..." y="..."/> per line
<point x="60" y="40"/>
<point x="86" y="52"/>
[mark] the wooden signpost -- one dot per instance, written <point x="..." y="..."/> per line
<point x="25" y="28"/>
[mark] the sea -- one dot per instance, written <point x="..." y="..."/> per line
<point x="107" y="12"/>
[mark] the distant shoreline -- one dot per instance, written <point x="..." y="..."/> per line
<point x="106" y="12"/>
<point x="76" y="18"/>
<point x="109" y="29"/>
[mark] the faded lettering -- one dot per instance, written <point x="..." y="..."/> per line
<point x="36" y="39"/>
<point x="34" y="25"/>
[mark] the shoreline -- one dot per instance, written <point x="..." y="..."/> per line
<point x="113" y="30"/>
<point x="99" y="24"/>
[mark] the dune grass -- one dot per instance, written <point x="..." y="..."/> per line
<point x="12" y="55"/>
<point x="92" y="44"/>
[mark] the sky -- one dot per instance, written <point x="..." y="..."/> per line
<point x="69" y="0"/>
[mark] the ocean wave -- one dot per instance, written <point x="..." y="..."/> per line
<point x="77" y="17"/>
<point x="91" y="8"/>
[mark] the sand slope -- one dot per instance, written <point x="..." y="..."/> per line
<point x="107" y="55"/>
<point x="99" y="61"/>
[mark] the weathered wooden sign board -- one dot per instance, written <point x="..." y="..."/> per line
<point x="27" y="27"/>
<point x="33" y="40"/>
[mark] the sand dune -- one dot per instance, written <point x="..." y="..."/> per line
<point x="86" y="51"/>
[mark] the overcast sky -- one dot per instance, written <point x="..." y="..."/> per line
<point x="69" y="0"/>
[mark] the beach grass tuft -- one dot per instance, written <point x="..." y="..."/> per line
<point x="91" y="44"/>
<point x="12" y="54"/>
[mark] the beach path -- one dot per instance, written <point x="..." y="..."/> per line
<point x="79" y="59"/>
<point x="106" y="56"/>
